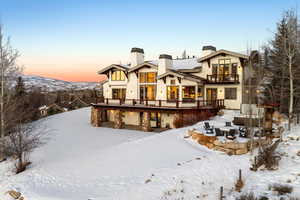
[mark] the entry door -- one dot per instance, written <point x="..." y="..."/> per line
<point x="211" y="95"/>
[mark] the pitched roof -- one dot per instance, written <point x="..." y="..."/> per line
<point x="120" y="67"/>
<point x="182" y="75"/>
<point x="182" y="64"/>
<point x="222" y="51"/>
<point x="146" y="63"/>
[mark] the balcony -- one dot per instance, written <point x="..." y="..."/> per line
<point x="223" y="79"/>
<point x="163" y="104"/>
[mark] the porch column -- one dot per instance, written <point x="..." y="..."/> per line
<point x="96" y="116"/>
<point x="146" y="122"/>
<point x="118" y="123"/>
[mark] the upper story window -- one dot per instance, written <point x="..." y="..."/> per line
<point x="118" y="76"/>
<point x="147" y="77"/>
<point x="231" y="93"/>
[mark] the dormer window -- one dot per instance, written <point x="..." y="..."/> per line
<point x="118" y="76"/>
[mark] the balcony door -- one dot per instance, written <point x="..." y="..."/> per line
<point x="147" y="92"/>
<point x="224" y="69"/>
<point x="211" y="95"/>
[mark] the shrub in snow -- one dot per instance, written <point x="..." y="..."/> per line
<point x="281" y="189"/>
<point x="21" y="141"/>
<point x="267" y="157"/>
<point x="248" y="196"/>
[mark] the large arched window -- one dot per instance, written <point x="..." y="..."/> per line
<point x="118" y="76"/>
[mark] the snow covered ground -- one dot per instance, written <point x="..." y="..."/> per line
<point x="81" y="162"/>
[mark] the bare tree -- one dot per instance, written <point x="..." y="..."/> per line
<point x="290" y="49"/>
<point x="8" y="70"/>
<point x="22" y="140"/>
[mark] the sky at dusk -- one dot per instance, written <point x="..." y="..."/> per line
<point x="73" y="39"/>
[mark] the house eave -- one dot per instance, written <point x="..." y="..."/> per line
<point x="222" y="51"/>
<point x="104" y="70"/>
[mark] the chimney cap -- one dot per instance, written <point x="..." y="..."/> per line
<point x="209" y="47"/>
<point x="165" y="56"/>
<point x="138" y="50"/>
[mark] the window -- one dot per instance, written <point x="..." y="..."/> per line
<point x="234" y="68"/>
<point x="230" y="93"/>
<point x="118" y="76"/>
<point x="119" y="93"/>
<point x="148" y="92"/>
<point x="173" y="82"/>
<point x="214" y="68"/>
<point x="200" y="91"/>
<point x="188" y="93"/>
<point x="147" y="77"/>
<point x="172" y="93"/>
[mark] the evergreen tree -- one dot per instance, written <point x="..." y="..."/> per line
<point x="20" y="90"/>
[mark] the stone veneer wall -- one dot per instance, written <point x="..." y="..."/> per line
<point x="118" y="121"/>
<point x="96" y="116"/>
<point x="146" y="126"/>
<point x="229" y="147"/>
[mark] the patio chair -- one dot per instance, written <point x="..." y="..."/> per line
<point x="227" y="123"/>
<point x="231" y="134"/>
<point x="219" y="132"/>
<point x="210" y="131"/>
<point x="207" y="126"/>
<point x="243" y="132"/>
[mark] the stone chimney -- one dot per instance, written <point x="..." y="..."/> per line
<point x="206" y="50"/>
<point x="137" y="56"/>
<point x="165" y="62"/>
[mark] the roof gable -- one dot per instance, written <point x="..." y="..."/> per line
<point x="181" y="75"/>
<point x="119" y="67"/>
<point x="222" y="51"/>
<point x="144" y="64"/>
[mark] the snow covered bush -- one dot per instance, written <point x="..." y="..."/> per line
<point x="248" y="196"/>
<point x="21" y="141"/>
<point x="281" y="189"/>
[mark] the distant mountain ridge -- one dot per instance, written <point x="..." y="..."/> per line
<point x="51" y="84"/>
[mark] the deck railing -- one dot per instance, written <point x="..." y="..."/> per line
<point x="218" y="103"/>
<point x="223" y="78"/>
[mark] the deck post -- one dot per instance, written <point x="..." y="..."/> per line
<point x="118" y="122"/>
<point x="146" y="126"/>
<point x="96" y="116"/>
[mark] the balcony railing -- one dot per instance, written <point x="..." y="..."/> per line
<point x="223" y="78"/>
<point x="218" y="103"/>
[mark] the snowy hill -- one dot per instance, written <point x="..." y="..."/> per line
<point x="82" y="162"/>
<point x="50" y="84"/>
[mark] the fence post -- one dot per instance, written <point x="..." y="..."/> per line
<point x="177" y="103"/>
<point x="198" y="103"/>
<point x="221" y="193"/>
<point x="159" y="103"/>
<point x="106" y="100"/>
<point x="240" y="175"/>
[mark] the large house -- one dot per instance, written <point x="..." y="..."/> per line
<point x="154" y="93"/>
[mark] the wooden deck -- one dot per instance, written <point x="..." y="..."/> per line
<point x="158" y="105"/>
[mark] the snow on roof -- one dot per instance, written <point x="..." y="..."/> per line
<point x="190" y="63"/>
<point x="43" y="107"/>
